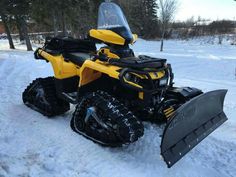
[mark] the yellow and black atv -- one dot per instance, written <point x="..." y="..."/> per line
<point x="115" y="91"/>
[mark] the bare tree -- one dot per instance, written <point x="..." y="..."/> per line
<point x="4" y="16"/>
<point x="55" y="22"/>
<point x="167" y="12"/>
<point x="25" y="32"/>
<point x="7" y="29"/>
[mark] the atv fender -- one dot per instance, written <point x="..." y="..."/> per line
<point x="91" y="71"/>
<point x="191" y="123"/>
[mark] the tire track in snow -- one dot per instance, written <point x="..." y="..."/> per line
<point x="216" y="154"/>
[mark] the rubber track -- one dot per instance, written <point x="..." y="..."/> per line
<point x="56" y="105"/>
<point x="128" y="128"/>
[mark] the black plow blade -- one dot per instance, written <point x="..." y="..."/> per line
<point x="191" y="123"/>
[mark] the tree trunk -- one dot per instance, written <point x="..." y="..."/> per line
<point x="18" y="25"/>
<point x="25" y="32"/>
<point x="55" y="24"/>
<point x="63" y="24"/>
<point x="220" y="39"/>
<point x="11" y="44"/>
<point x="162" y="43"/>
<point x="162" y="37"/>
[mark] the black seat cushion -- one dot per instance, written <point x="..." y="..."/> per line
<point x="77" y="58"/>
<point x="59" y="45"/>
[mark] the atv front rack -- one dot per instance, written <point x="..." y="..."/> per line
<point x="139" y="62"/>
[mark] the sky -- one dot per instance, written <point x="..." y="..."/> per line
<point x="207" y="9"/>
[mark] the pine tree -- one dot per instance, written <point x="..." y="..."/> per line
<point x="45" y="15"/>
<point x="79" y="16"/>
<point x="150" y="26"/>
<point x="142" y="16"/>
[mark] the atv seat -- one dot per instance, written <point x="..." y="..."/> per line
<point x="77" y="58"/>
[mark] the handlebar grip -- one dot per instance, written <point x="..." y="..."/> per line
<point x="101" y="57"/>
<point x="37" y="55"/>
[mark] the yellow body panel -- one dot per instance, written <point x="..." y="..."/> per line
<point x="135" y="37"/>
<point x="107" y="36"/>
<point x="90" y="70"/>
<point x="154" y="75"/>
<point x="107" y="52"/>
<point x="141" y="95"/>
<point x="132" y="83"/>
<point x="61" y="68"/>
<point x="157" y="75"/>
<point x="96" y="69"/>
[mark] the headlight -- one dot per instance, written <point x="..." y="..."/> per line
<point x="127" y="76"/>
<point x="163" y="82"/>
<point x="132" y="78"/>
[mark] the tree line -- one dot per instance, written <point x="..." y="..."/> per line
<point x="201" y="27"/>
<point x="72" y="17"/>
<point x="147" y="18"/>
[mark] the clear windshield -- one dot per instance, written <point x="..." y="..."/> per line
<point x="111" y="16"/>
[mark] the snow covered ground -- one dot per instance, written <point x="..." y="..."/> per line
<point x="34" y="146"/>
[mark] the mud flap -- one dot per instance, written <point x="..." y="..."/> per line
<point x="191" y="123"/>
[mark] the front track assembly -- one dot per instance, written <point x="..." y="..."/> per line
<point x="104" y="120"/>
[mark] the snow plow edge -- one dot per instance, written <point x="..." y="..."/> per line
<point x="191" y="123"/>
